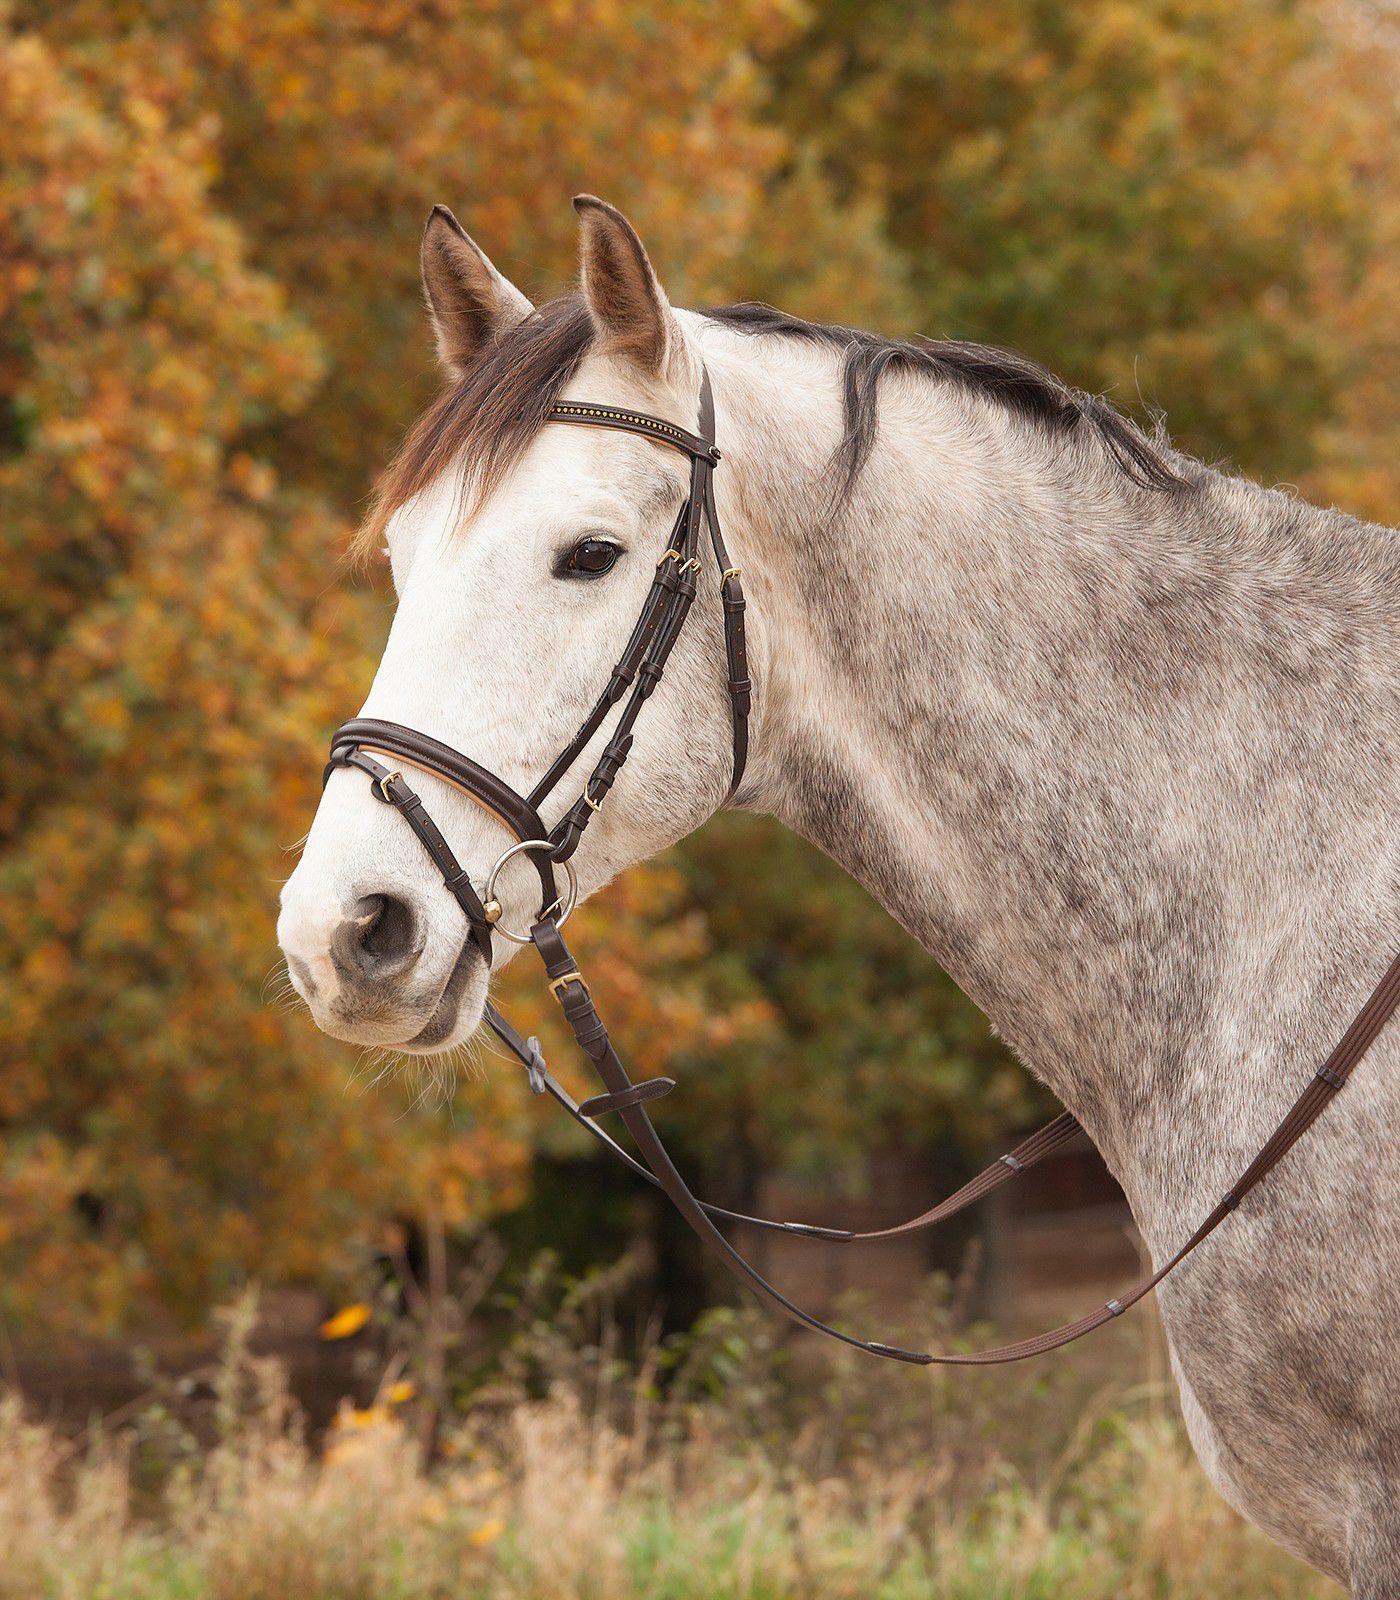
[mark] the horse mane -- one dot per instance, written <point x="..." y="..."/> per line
<point x="490" y="416"/>
<point x="1011" y="380"/>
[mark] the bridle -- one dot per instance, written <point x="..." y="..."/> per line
<point x="639" y="668"/>
<point x="360" y="742"/>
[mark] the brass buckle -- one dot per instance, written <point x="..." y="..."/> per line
<point x="382" y="785"/>
<point x="557" y="984"/>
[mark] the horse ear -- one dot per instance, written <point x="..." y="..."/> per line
<point x="469" y="302"/>
<point x="625" y="298"/>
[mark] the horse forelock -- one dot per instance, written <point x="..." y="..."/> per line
<point x="488" y="419"/>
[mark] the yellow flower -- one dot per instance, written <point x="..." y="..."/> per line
<point x="401" y="1392"/>
<point x="348" y="1322"/>
<point x="361" y="1419"/>
<point x="487" y="1533"/>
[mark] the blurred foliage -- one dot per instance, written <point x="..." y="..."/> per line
<point x="1175" y="201"/>
<point x="210" y="335"/>
<point x="174" y="645"/>
<point x="341" y="124"/>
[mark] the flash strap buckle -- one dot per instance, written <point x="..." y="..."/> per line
<point x="558" y="984"/>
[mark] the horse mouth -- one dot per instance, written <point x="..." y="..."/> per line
<point x="441" y="1027"/>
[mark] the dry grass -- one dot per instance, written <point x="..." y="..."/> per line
<point x="578" y="1518"/>
<point x="563" y="1498"/>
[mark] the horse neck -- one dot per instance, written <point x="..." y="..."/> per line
<point x="1121" y="759"/>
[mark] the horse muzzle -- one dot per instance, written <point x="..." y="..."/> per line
<point x="380" y="961"/>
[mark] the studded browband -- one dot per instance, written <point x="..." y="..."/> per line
<point x="362" y="742"/>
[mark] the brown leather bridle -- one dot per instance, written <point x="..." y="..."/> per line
<point x="358" y="742"/>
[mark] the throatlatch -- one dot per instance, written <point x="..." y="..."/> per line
<point x="367" y="743"/>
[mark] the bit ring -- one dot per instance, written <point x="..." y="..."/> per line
<point x="570" y="899"/>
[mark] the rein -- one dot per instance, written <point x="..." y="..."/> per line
<point x="366" y="743"/>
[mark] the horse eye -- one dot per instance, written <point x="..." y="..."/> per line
<point x="589" y="557"/>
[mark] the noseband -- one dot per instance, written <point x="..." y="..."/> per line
<point x="366" y="743"/>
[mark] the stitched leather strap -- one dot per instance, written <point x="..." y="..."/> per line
<point x="518" y="814"/>
<point x="732" y="601"/>
<point x="651" y="1089"/>
<point x="590" y="414"/>
<point x="393" y="791"/>
<point x="700" y="505"/>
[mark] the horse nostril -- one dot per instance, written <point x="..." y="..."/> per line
<point x="380" y="938"/>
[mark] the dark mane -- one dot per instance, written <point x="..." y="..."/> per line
<point x="1016" y="382"/>
<point x="490" y="416"/>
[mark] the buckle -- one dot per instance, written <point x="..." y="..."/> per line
<point x="381" y="786"/>
<point x="558" y="984"/>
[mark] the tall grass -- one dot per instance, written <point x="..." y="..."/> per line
<point x="576" y="1515"/>
<point x="595" y="1486"/>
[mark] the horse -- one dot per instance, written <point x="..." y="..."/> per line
<point x="1111" y="733"/>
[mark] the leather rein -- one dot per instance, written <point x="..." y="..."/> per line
<point x="361" y="743"/>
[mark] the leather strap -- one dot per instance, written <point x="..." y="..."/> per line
<point x="1006" y="1167"/>
<point x="390" y="788"/>
<point x="629" y="663"/>
<point x="700" y="504"/>
<point x="590" y="414"/>
<point x="592" y="1037"/>
<point x="518" y="814"/>
<point x="651" y="1089"/>
<point x="732" y="601"/>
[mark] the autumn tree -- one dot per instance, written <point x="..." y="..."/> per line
<point x="172" y="652"/>
<point x="1157" y="200"/>
<point x="340" y="124"/>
